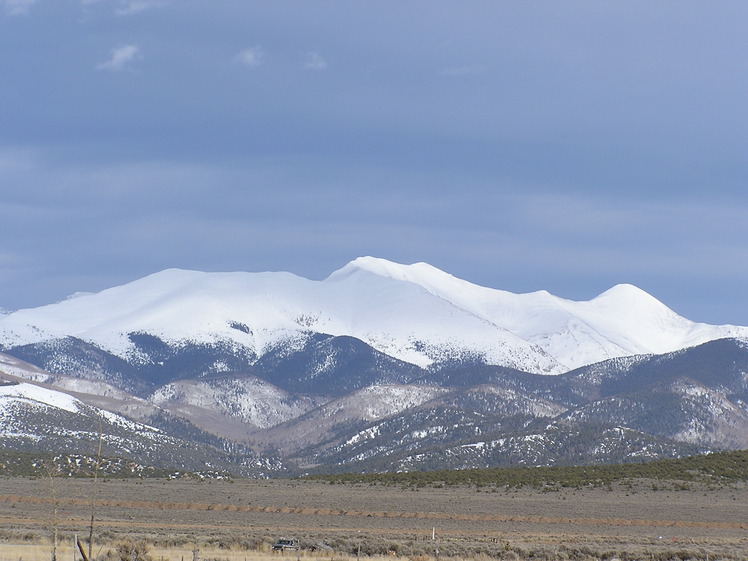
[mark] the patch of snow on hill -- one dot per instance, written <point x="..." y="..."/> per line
<point x="377" y="402"/>
<point x="253" y="401"/>
<point x="14" y="367"/>
<point x="93" y="387"/>
<point x="40" y="396"/>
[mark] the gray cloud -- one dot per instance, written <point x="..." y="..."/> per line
<point x="131" y="7"/>
<point x="567" y="149"/>
<point x="147" y="216"/>
<point x="18" y="7"/>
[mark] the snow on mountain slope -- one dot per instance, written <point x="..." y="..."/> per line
<point x="95" y="393"/>
<point x="15" y="367"/>
<point x="174" y="304"/>
<point x="40" y="397"/>
<point x="622" y="321"/>
<point x="377" y="402"/>
<point x="18" y="400"/>
<point x="362" y="406"/>
<point x="415" y="313"/>
<point x="37" y="419"/>
<point x="251" y="402"/>
<point x="259" y="310"/>
<point x="405" y="321"/>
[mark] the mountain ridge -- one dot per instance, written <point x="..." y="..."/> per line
<point x="378" y="366"/>
<point x="414" y="313"/>
<point x="621" y="410"/>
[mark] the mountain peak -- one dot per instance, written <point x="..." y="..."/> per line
<point x="426" y="276"/>
<point x="391" y="269"/>
<point x="627" y="299"/>
<point x="626" y="291"/>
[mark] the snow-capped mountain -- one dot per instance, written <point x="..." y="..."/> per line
<point x="622" y="321"/>
<point x="379" y="366"/>
<point x="413" y="313"/>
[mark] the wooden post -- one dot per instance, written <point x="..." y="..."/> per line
<point x="84" y="556"/>
<point x="93" y="500"/>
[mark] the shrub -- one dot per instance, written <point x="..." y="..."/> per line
<point x="129" y="550"/>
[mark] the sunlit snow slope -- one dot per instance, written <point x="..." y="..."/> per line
<point x="416" y="313"/>
<point x="622" y="321"/>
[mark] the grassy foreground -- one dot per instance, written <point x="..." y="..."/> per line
<point x="168" y="520"/>
<point x="680" y="510"/>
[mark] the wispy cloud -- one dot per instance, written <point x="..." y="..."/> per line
<point x="252" y="57"/>
<point x="130" y="7"/>
<point x="314" y="61"/>
<point x="121" y="57"/>
<point x="18" y="7"/>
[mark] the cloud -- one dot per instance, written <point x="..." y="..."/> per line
<point x="18" y="7"/>
<point x="127" y="7"/>
<point x="121" y="57"/>
<point x="130" y="7"/>
<point x="314" y="61"/>
<point x="252" y="57"/>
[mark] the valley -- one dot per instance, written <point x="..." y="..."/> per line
<point x="245" y="516"/>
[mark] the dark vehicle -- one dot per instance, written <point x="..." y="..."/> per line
<point x="286" y="545"/>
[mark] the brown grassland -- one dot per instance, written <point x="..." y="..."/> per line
<point x="239" y="520"/>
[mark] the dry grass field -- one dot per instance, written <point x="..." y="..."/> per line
<point x="239" y="520"/>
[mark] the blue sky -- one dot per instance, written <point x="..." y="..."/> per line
<point x="566" y="146"/>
